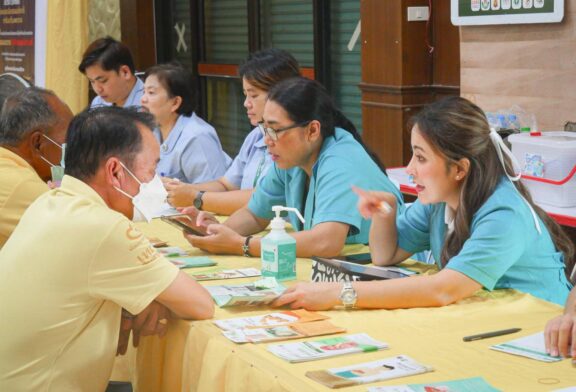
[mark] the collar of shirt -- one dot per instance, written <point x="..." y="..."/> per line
<point x="171" y="141"/>
<point x="15" y="158"/>
<point x="73" y="186"/>
<point x="259" y="143"/>
<point x="135" y="95"/>
<point x="449" y="215"/>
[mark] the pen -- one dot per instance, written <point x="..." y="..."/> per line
<point x="490" y="334"/>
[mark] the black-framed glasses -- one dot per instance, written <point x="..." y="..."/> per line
<point x="273" y="133"/>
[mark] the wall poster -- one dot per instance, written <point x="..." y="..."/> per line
<point x="491" y="12"/>
<point x="17" y="23"/>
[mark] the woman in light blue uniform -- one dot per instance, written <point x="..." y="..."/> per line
<point x="317" y="156"/>
<point x="190" y="150"/>
<point x="477" y="219"/>
<point x="232" y="191"/>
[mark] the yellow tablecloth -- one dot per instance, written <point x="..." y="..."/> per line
<point x="194" y="356"/>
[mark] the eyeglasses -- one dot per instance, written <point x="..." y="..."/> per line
<point x="273" y="133"/>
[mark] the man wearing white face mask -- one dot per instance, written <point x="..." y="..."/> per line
<point x="33" y="127"/>
<point x="89" y="260"/>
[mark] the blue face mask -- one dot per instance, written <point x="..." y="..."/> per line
<point x="56" y="170"/>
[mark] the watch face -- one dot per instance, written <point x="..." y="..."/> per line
<point x="348" y="297"/>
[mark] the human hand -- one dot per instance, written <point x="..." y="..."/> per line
<point x="560" y="336"/>
<point x="153" y="320"/>
<point x="202" y="218"/>
<point x="180" y="194"/>
<point x="371" y="203"/>
<point x="220" y="240"/>
<point x="311" y="296"/>
<point x="124" y="335"/>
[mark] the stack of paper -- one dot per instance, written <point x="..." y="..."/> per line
<point x="476" y="384"/>
<point x="270" y="319"/>
<point x="324" y="348"/>
<point x="261" y="292"/>
<point x="384" y="369"/>
<point x="531" y="346"/>
<point x="282" y="332"/>
<point x="227" y="274"/>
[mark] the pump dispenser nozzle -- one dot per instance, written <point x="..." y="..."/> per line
<point x="278" y="222"/>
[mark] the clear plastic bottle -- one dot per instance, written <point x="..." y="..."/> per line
<point x="278" y="248"/>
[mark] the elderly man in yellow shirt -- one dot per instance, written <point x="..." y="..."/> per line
<point x="33" y="127"/>
<point x="75" y="260"/>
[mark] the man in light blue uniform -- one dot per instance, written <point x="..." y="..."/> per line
<point x="342" y="162"/>
<point x="109" y="67"/>
<point x="251" y="164"/>
<point x="192" y="152"/>
<point x="504" y="250"/>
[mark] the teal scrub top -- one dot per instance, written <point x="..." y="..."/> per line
<point x="342" y="162"/>
<point x="504" y="250"/>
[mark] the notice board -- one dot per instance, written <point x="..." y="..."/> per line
<point x="17" y="37"/>
<point x="491" y="12"/>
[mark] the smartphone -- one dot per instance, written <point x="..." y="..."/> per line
<point x="183" y="222"/>
<point x="360" y="258"/>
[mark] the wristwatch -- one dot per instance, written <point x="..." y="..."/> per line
<point x="246" y="246"/>
<point x="198" y="200"/>
<point x="348" y="295"/>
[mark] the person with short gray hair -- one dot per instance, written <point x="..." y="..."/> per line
<point x="33" y="125"/>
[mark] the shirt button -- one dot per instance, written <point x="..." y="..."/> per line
<point x="164" y="148"/>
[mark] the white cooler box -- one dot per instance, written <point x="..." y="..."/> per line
<point x="548" y="163"/>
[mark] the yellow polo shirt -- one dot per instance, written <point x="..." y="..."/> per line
<point x="19" y="187"/>
<point x="65" y="273"/>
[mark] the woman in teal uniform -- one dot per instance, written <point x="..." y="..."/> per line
<point x="472" y="213"/>
<point x="317" y="155"/>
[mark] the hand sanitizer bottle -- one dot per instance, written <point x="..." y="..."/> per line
<point x="279" y="248"/>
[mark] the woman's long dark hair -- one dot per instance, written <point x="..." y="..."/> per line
<point x="456" y="128"/>
<point x="306" y="100"/>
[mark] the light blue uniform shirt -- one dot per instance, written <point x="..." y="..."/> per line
<point x="252" y="162"/>
<point x="504" y="249"/>
<point x="132" y="100"/>
<point x="192" y="152"/>
<point x="342" y="162"/>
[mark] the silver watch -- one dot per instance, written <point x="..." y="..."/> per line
<point x="348" y="295"/>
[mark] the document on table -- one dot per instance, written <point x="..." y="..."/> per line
<point x="362" y="373"/>
<point x="531" y="346"/>
<point x="282" y="332"/>
<point x="261" y="292"/>
<point x="476" y="384"/>
<point x="227" y="274"/>
<point x="270" y="319"/>
<point x="328" y="347"/>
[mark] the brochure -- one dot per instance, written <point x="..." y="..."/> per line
<point x="531" y="346"/>
<point x="476" y="384"/>
<point x="172" y="251"/>
<point x="362" y="373"/>
<point x="227" y="274"/>
<point x="261" y="292"/>
<point x="192" y="262"/>
<point x="328" y="347"/>
<point x="282" y="332"/>
<point x="270" y="320"/>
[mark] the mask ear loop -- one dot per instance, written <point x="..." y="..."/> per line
<point x="133" y="176"/>
<point x="502" y="149"/>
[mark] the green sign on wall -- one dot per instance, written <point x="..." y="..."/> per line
<point x="490" y="12"/>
